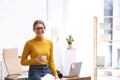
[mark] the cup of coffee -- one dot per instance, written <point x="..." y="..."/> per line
<point x="43" y="58"/>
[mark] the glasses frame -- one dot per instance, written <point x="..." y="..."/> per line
<point x="39" y="28"/>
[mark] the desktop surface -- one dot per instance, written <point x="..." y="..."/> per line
<point x="78" y="78"/>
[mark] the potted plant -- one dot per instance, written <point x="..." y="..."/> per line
<point x="70" y="41"/>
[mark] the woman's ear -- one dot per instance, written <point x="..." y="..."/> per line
<point x="33" y="29"/>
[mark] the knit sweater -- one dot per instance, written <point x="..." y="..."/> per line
<point x="38" y="47"/>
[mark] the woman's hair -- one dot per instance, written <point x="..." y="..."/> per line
<point x="38" y="22"/>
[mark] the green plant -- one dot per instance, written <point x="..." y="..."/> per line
<point x="70" y="39"/>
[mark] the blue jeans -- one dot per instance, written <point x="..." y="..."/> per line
<point x="36" y="72"/>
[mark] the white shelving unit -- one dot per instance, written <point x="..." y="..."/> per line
<point x="107" y="48"/>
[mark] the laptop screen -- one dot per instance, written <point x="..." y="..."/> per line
<point x="75" y="69"/>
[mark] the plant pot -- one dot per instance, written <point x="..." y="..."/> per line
<point x="70" y="46"/>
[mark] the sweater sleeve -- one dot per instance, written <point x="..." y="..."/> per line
<point x="51" y="60"/>
<point x="24" y="58"/>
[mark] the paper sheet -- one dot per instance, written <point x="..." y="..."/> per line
<point x="49" y="77"/>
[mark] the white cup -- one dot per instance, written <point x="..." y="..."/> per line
<point x="43" y="58"/>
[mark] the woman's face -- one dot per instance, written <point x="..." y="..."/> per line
<point x="39" y="30"/>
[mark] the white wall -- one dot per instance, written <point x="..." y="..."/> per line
<point x="16" y="19"/>
<point x="116" y="8"/>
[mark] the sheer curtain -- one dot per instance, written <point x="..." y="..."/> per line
<point x="76" y="18"/>
<point x="80" y="25"/>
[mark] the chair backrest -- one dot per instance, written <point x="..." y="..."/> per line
<point x="11" y="59"/>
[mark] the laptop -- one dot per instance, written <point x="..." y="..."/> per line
<point x="75" y="69"/>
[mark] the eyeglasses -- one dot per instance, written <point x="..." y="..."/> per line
<point x="39" y="28"/>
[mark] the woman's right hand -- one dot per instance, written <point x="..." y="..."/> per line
<point x="38" y="59"/>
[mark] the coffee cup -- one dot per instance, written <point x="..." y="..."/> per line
<point x="43" y="58"/>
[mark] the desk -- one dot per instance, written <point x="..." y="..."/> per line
<point x="78" y="78"/>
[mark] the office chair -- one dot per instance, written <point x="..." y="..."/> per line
<point x="12" y="63"/>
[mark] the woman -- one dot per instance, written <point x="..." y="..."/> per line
<point x="40" y="51"/>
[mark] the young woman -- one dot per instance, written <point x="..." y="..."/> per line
<point x="40" y="51"/>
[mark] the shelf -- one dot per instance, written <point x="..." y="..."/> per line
<point x="109" y="40"/>
<point x="110" y="76"/>
<point x="107" y="16"/>
<point x="110" y="29"/>
<point x="108" y="68"/>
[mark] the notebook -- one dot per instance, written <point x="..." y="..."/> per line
<point x="75" y="69"/>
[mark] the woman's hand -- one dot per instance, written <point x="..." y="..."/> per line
<point x="38" y="59"/>
<point x="56" y="77"/>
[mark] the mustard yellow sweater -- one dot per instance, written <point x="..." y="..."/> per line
<point x="38" y="47"/>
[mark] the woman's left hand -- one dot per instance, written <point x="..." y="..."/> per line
<point x="56" y="77"/>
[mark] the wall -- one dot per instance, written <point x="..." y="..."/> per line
<point x="16" y="19"/>
<point x="116" y="6"/>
